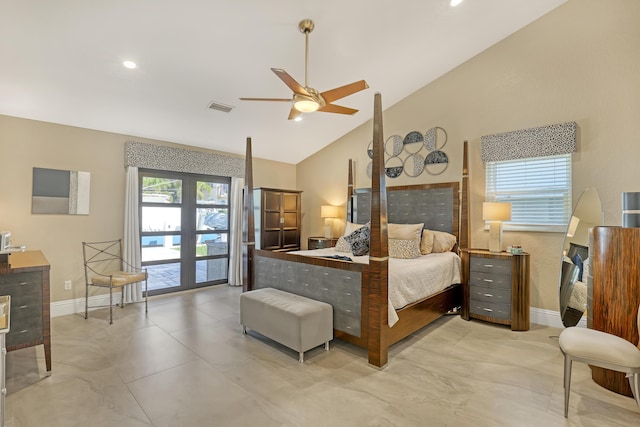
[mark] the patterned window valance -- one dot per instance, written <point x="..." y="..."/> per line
<point x="535" y="142"/>
<point x="181" y="160"/>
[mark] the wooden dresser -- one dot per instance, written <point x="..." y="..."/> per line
<point x="278" y="215"/>
<point x="26" y="279"/>
<point x="496" y="287"/>
<point x="613" y="293"/>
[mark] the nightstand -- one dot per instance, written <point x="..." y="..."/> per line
<point x="321" y="242"/>
<point x="496" y="287"/>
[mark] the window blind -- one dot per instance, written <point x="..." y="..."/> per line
<point x="539" y="190"/>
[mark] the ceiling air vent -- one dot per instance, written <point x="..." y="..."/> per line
<point x="220" y="107"/>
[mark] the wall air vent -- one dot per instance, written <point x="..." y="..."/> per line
<point x="220" y="107"/>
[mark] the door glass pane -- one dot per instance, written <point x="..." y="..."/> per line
<point x="212" y="193"/>
<point x="212" y="219"/>
<point x="161" y="190"/>
<point x="163" y="276"/>
<point x="213" y="247"/>
<point x="155" y="248"/>
<point x="211" y="269"/>
<point x="159" y="218"/>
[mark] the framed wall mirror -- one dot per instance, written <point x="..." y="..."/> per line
<point x="575" y="260"/>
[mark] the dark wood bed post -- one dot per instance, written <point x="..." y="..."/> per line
<point x="464" y="239"/>
<point x="378" y="345"/>
<point x="350" y="193"/>
<point x="248" y="230"/>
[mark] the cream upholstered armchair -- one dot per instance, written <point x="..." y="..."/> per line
<point x="603" y="350"/>
<point x="104" y="267"/>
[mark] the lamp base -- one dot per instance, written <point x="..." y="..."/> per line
<point x="328" y="229"/>
<point x="495" y="236"/>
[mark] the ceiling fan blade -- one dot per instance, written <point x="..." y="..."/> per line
<point x="342" y="91"/>
<point x="266" y="99"/>
<point x="294" y="113"/>
<point x="332" y="108"/>
<point x="290" y="81"/>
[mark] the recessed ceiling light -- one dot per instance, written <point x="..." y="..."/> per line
<point x="455" y="3"/>
<point x="129" y="64"/>
<point x="298" y="119"/>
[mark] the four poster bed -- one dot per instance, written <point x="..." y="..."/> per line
<point x="359" y="291"/>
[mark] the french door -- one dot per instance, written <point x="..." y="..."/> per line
<point x="184" y="229"/>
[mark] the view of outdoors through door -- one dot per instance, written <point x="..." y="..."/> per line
<point x="184" y="229"/>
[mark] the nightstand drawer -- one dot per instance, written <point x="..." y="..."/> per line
<point x="491" y="266"/>
<point x="493" y="281"/>
<point x="498" y="296"/>
<point x="321" y="242"/>
<point x="496" y="311"/>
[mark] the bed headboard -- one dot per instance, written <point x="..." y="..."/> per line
<point x="435" y="205"/>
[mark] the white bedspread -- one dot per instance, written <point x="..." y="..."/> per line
<point x="410" y="280"/>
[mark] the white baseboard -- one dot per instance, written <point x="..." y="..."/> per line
<point x="76" y="305"/>
<point x="544" y="317"/>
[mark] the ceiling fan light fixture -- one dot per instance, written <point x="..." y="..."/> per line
<point x="305" y="104"/>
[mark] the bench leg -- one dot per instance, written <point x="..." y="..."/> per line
<point x="301" y="357"/>
<point x="326" y="346"/>
<point x="244" y="329"/>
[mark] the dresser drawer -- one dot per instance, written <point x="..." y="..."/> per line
<point x="499" y="296"/>
<point x="491" y="266"/>
<point x="492" y="281"/>
<point x="25" y="281"/>
<point x="496" y="311"/>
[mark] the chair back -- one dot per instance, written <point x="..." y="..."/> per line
<point x="102" y="257"/>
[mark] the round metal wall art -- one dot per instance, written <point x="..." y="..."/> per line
<point x="413" y="154"/>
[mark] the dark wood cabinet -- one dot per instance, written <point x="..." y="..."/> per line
<point x="613" y="293"/>
<point x="496" y="287"/>
<point x="26" y="279"/>
<point x="277" y="219"/>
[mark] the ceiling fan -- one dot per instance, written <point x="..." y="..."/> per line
<point x="307" y="99"/>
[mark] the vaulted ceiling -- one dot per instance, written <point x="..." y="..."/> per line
<point x="62" y="63"/>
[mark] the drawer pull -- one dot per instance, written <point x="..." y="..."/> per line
<point x="488" y="280"/>
<point x="489" y="265"/>
<point x="24" y="283"/>
<point x="487" y="309"/>
<point x="488" y="295"/>
<point x="24" y="331"/>
<point x="23" y="307"/>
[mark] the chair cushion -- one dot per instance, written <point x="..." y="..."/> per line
<point x="599" y="346"/>
<point x="120" y="278"/>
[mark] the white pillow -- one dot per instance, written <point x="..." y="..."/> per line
<point x="426" y="243"/>
<point x="442" y="241"/>
<point x="404" y="249"/>
<point x="405" y="232"/>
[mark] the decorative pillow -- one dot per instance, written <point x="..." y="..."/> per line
<point x="442" y="241"/>
<point x="351" y="227"/>
<point x="405" y="232"/>
<point x="402" y="248"/>
<point x="359" y="241"/>
<point x="426" y="243"/>
<point x="342" y="245"/>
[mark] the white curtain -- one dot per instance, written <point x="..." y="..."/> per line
<point x="131" y="244"/>
<point x="235" y="232"/>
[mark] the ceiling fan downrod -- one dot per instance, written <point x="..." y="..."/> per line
<point x="306" y="26"/>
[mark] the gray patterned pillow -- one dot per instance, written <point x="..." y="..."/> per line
<point x="359" y="241"/>
<point x="403" y="248"/>
<point x="342" y="245"/>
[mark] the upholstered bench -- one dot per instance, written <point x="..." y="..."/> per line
<point x="292" y="320"/>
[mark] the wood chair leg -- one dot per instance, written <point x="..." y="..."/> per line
<point x="634" y="382"/>
<point x="567" y="383"/>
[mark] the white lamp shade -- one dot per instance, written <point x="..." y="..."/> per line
<point x="328" y="211"/>
<point x="496" y="211"/>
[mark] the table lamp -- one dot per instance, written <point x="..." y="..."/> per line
<point x="328" y="212"/>
<point x="495" y="213"/>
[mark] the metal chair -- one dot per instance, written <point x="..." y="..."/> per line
<point x="104" y="267"/>
<point x="600" y="349"/>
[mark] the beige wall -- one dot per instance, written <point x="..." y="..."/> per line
<point x="581" y="63"/>
<point x="25" y="144"/>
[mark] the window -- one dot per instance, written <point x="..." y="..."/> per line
<point x="539" y="190"/>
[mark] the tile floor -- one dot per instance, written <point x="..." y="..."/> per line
<point x="188" y="364"/>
